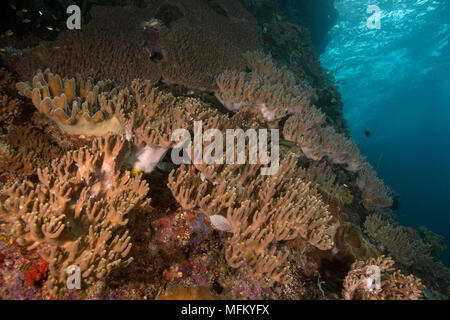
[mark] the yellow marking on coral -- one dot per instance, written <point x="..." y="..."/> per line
<point x="11" y="241"/>
<point x="135" y="171"/>
<point x="88" y="128"/>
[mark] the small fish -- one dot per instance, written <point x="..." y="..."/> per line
<point x="165" y="166"/>
<point x="367" y="133"/>
<point x="395" y="204"/>
<point x="24" y="10"/>
<point x="288" y="143"/>
<point x="50" y="28"/>
<point x="40" y="12"/>
<point x="13" y="6"/>
<point x="26" y="20"/>
<point x="220" y="223"/>
<point x="9" y="33"/>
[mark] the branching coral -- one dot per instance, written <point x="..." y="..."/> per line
<point x="435" y="240"/>
<point x="197" y="40"/>
<point x="275" y="91"/>
<point x="145" y="116"/>
<point x="409" y="251"/>
<point x="374" y="191"/>
<point x="259" y="210"/>
<point x="34" y="139"/>
<point x="78" y="211"/>
<point x="362" y="283"/>
<point x="23" y="161"/>
<point x="318" y="141"/>
<point x="396" y="240"/>
<point x="321" y="173"/>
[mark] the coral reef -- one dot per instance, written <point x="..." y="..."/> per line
<point x="275" y="91"/>
<point x="360" y="283"/>
<point x="96" y="48"/>
<point x="87" y="177"/>
<point x="374" y="192"/>
<point x="9" y="105"/>
<point x="37" y="273"/>
<point x="77" y="213"/>
<point x="396" y="240"/>
<point x="259" y="210"/>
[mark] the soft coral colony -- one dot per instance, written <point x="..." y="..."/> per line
<point x="86" y="177"/>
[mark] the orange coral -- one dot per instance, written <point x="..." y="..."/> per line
<point x="36" y="273"/>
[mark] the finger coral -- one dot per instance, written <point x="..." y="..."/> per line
<point x="145" y="116"/>
<point x="71" y="103"/>
<point x="78" y="211"/>
<point x="259" y="211"/>
<point x="373" y="279"/>
<point x="374" y="191"/>
<point x="274" y="91"/>
<point x="318" y="141"/>
<point x="394" y="238"/>
<point x="322" y="174"/>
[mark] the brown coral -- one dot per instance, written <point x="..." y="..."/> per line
<point x="395" y="238"/>
<point x="318" y="141"/>
<point x="198" y="40"/>
<point x="96" y="48"/>
<point x="374" y="191"/>
<point x="361" y="285"/>
<point x="77" y="213"/>
<point x="259" y="210"/>
<point x="273" y="90"/>
<point x="145" y="116"/>
<point x="72" y="104"/>
<point x="9" y="104"/>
